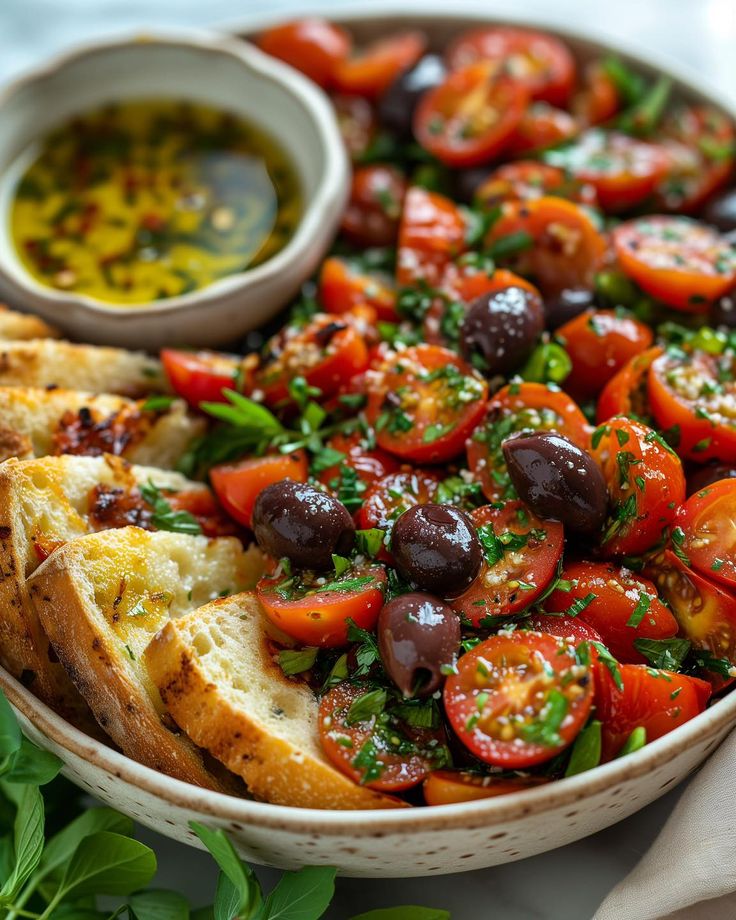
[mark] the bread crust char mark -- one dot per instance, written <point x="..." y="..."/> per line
<point x="216" y="676"/>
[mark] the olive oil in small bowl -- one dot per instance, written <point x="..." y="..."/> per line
<point x="143" y="200"/>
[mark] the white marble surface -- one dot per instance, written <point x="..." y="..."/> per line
<point x="569" y="883"/>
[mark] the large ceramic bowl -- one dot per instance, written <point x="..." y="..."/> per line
<point x="420" y="841"/>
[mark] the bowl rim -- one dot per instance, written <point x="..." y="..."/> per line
<point x="329" y="189"/>
<point x="479" y="813"/>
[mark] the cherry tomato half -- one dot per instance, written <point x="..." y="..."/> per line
<point x="525" y="179"/>
<point x="695" y="395"/>
<point x="561" y="246"/>
<point x="518" y="698"/>
<point x="597" y="100"/>
<point x="357" y="122"/>
<point x="201" y="376"/>
<point x="521" y="556"/>
<point x="431" y="235"/>
<point x="449" y="787"/>
<point x="203" y="506"/>
<point x="626" y="393"/>
<point x="380" y="751"/>
<point x="520" y="407"/>
<point x="372" y="215"/>
<point x="342" y="287"/>
<point x="424" y="402"/>
<point x="541" y="126"/>
<point x="657" y="701"/>
<point x="237" y="485"/>
<point x="646" y="483"/>
<point x="599" y="343"/>
<point x="359" y="454"/>
<point x="315" y="612"/>
<point x="572" y="629"/>
<point x="542" y="63"/>
<point x="312" y="45"/>
<point x="326" y="352"/>
<point x="708" y="523"/>
<point x="618" y="604"/>
<point x="683" y="263"/>
<point x="469" y="118"/>
<point x="372" y="70"/>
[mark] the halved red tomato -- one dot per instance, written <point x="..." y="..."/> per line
<point x="342" y="287"/>
<point x="424" y="402"/>
<point x="657" y="701"/>
<point x="705" y="611"/>
<point x="521" y="552"/>
<point x="372" y="70"/>
<point x="315" y="612"/>
<point x="394" y="494"/>
<point x="201" y="376"/>
<point x="312" y="45"/>
<point x="541" y="126"/>
<point x="600" y="343"/>
<point x="539" y="61"/>
<point x="372" y="744"/>
<point x="562" y="246"/>
<point x="694" y="394"/>
<point x="470" y="117"/>
<point x="520" y="407"/>
<point x="683" y="263"/>
<point x="646" y="484"/>
<point x="359" y="454"/>
<point x="356" y="119"/>
<point x="526" y="179"/>
<point x="449" y="787"/>
<point x="623" y="170"/>
<point x="237" y="485"/>
<point x="572" y="629"/>
<point x="597" y="100"/>
<point x="626" y="393"/>
<point x="618" y="604"/>
<point x="326" y="352"/>
<point x="373" y="211"/>
<point x="431" y="235"/>
<point x="708" y="523"/>
<point x="518" y="698"/>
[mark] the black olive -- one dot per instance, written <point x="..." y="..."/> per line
<point x="558" y="480"/>
<point x="417" y="635"/>
<point x="500" y="330"/>
<point x="397" y="105"/>
<point x="705" y="476"/>
<point x="307" y="526"/>
<point x="720" y="212"/>
<point x="436" y="547"/>
<point x="568" y="304"/>
<point x="724" y="312"/>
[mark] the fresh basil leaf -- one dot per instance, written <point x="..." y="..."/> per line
<point x="33" y="766"/>
<point x="7" y="856"/>
<point x="75" y="912"/>
<point x="158" y="403"/>
<point x="296" y="661"/>
<point x="666" y="654"/>
<point x="240" y="876"/>
<point x="164" y="516"/>
<point x="28" y="840"/>
<point x="62" y="846"/>
<point x="228" y="900"/>
<point x="156" y="904"/>
<point x="366" y="706"/>
<point x="405" y="913"/>
<point x="302" y="895"/>
<point x="10" y="736"/>
<point x="203" y="913"/>
<point x="586" y="752"/>
<point x="244" y="413"/>
<point x="106" y="863"/>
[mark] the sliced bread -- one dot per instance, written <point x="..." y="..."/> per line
<point x="217" y="677"/>
<point x="102" y="597"/>
<point x="16" y="326"/>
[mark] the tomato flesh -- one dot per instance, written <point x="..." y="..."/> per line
<point x="369" y="463"/>
<point x="312" y="45"/>
<point x="527" y="179"/>
<point x="372" y="215"/>
<point x="708" y="521"/>
<point x="626" y="392"/>
<point x="342" y="288"/>
<point x="431" y="235"/>
<point x="522" y="561"/>
<point x="518" y="699"/>
<point x="450" y="787"/>
<point x="201" y="376"/>
<point x="370" y="72"/>
<point x="237" y="485"/>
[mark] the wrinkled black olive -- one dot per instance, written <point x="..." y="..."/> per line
<point x="417" y="635"/>
<point x="568" y="304"/>
<point x="720" y="212"/>
<point x="307" y="526"/>
<point x="558" y="480"/>
<point x="705" y="476"/>
<point x="436" y="548"/>
<point x="499" y="331"/>
<point x="397" y="105"/>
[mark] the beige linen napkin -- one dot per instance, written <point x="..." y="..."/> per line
<point x="689" y="872"/>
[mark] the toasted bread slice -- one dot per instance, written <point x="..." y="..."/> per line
<point x="16" y="326"/>
<point x="93" y="368"/>
<point x="45" y="503"/>
<point x="32" y="419"/>
<point x="102" y="597"/>
<point x="217" y="677"/>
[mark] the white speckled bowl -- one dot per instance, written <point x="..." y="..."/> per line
<point x="214" y="69"/>
<point x="420" y="841"/>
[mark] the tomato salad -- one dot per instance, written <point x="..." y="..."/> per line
<point x="491" y="451"/>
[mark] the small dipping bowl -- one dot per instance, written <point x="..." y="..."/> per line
<point x="223" y="73"/>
